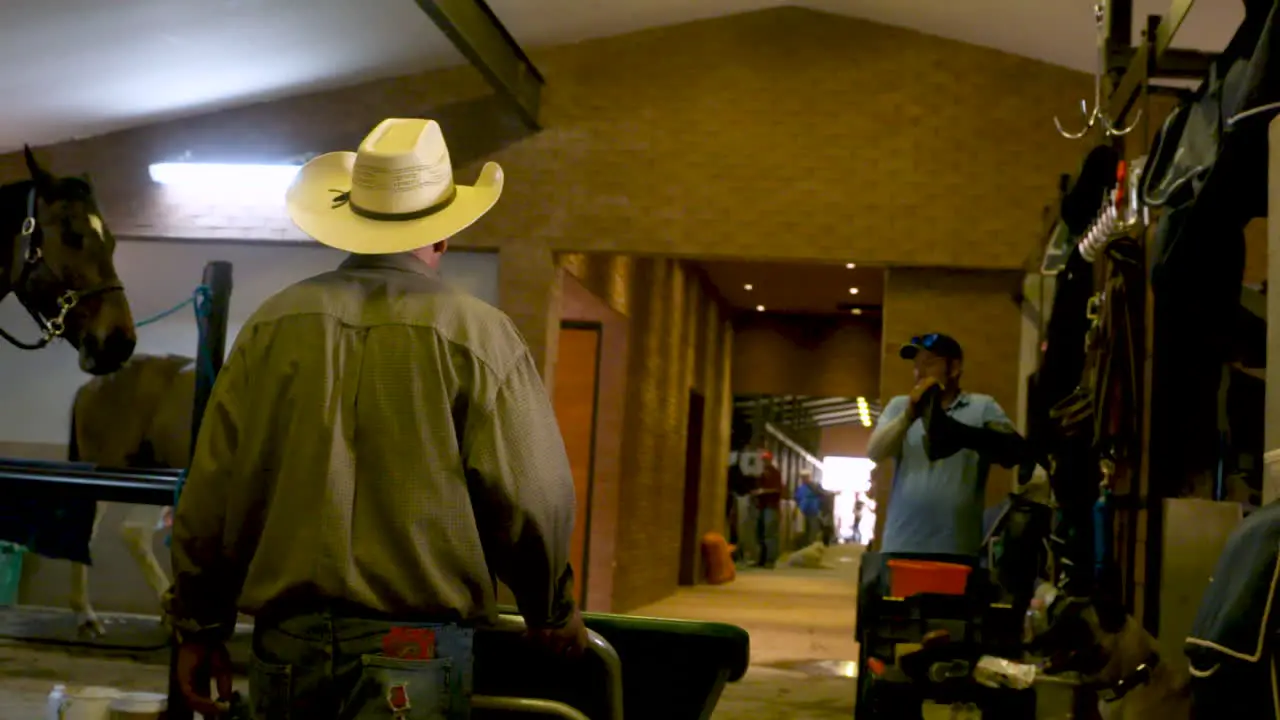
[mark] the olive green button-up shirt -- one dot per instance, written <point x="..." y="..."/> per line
<point x="378" y="439"/>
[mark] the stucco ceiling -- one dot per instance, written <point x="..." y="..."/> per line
<point x="76" y="68"/>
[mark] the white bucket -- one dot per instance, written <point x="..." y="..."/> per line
<point x="139" y="706"/>
<point x="82" y="703"/>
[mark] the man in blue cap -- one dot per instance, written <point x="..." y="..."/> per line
<point x="943" y="441"/>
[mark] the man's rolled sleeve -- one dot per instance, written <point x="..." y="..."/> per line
<point x="523" y="493"/>
<point x="202" y="600"/>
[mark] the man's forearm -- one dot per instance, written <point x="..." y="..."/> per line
<point x="202" y="601"/>
<point x="206" y="582"/>
<point x="886" y="440"/>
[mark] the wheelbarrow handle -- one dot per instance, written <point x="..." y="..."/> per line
<point x="597" y="646"/>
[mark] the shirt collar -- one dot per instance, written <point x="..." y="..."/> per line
<point x="961" y="400"/>
<point x="404" y="262"/>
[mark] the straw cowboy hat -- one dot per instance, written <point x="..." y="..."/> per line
<point x="394" y="194"/>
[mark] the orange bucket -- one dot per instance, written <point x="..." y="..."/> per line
<point x="916" y="577"/>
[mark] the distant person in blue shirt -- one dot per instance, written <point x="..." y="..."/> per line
<point x="809" y="500"/>
<point x="943" y="441"/>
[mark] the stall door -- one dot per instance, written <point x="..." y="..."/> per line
<point x="574" y="395"/>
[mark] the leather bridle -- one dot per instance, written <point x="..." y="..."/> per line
<point x="30" y="246"/>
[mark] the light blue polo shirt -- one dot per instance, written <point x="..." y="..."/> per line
<point x="936" y="507"/>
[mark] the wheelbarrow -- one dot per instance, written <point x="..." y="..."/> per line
<point x="636" y="668"/>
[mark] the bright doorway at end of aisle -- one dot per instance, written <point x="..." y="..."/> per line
<point x="849" y="479"/>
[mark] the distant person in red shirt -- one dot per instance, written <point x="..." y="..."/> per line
<point x="768" y="499"/>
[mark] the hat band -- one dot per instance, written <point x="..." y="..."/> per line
<point x="344" y="198"/>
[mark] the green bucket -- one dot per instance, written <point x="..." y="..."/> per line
<point x="10" y="572"/>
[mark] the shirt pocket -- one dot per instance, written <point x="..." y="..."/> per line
<point x="405" y="689"/>
<point x="270" y="689"/>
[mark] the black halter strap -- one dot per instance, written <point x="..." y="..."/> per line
<point x="32" y="256"/>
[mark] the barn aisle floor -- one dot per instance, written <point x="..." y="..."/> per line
<point x="802" y="646"/>
<point x="801" y="625"/>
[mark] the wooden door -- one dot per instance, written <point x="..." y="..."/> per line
<point x="575" y="398"/>
<point x="690" y="542"/>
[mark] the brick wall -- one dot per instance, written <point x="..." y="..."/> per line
<point x="847" y="440"/>
<point x="818" y="355"/>
<point x="678" y="340"/>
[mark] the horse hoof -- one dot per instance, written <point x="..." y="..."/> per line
<point x="91" y="629"/>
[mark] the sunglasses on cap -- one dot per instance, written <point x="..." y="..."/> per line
<point x="926" y="342"/>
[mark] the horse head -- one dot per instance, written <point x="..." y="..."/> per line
<point x="62" y="268"/>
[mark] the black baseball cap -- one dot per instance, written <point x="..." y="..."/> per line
<point x="936" y="343"/>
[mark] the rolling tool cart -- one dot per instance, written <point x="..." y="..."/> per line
<point x="923" y="628"/>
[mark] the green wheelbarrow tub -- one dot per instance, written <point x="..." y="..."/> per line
<point x="670" y="668"/>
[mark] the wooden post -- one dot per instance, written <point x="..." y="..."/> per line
<point x="209" y="357"/>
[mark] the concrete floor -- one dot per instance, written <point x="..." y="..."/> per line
<point x="797" y="619"/>
<point x="801" y="625"/>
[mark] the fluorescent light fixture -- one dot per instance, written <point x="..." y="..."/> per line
<point x="851" y="265"/>
<point x="225" y="177"/>
<point x="853" y="291"/>
<point x="759" y="308"/>
<point x="748" y="287"/>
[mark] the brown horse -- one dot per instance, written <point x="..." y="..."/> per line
<point x="56" y="256"/>
<point x="137" y="417"/>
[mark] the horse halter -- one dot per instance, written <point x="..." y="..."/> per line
<point x="51" y="328"/>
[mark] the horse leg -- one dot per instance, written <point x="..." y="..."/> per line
<point x="87" y="622"/>
<point x="137" y="532"/>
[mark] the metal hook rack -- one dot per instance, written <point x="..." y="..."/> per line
<point x="1096" y="116"/>
<point x="1121" y="213"/>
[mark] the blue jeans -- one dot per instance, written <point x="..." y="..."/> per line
<point x="768" y="529"/>
<point x="812" y="530"/>
<point x="321" y="666"/>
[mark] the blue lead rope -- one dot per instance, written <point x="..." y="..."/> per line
<point x="196" y="298"/>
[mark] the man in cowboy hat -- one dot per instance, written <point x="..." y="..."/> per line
<point x="377" y="449"/>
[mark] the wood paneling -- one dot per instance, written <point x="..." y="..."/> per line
<point x="577" y="303"/>
<point x="577" y="370"/>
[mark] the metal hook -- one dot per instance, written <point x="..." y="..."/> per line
<point x="1096" y="116"/>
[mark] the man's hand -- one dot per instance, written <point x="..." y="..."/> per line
<point x="917" y="393"/>
<point x="197" y="663"/>
<point x="568" y="641"/>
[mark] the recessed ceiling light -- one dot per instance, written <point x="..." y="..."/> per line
<point x="853" y="291"/>
<point x="748" y="286"/>
<point x="856" y="311"/>
<point x="851" y="266"/>
<point x="759" y="308"/>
